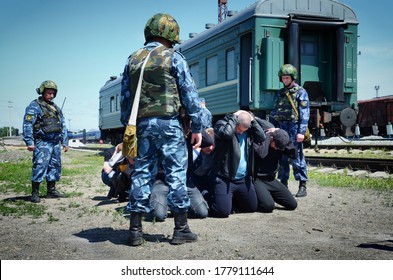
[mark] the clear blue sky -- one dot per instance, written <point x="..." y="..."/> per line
<point x="81" y="43"/>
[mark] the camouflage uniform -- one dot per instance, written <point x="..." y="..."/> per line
<point x="44" y="126"/>
<point x="159" y="131"/>
<point x="285" y="118"/>
<point x="206" y="116"/>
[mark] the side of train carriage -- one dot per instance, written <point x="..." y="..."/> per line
<point x="235" y="62"/>
<point x="109" y="123"/>
<point x="85" y="136"/>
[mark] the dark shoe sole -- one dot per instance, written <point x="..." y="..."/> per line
<point x="54" y="196"/>
<point x="136" y="242"/>
<point x="301" y="194"/>
<point x="178" y="241"/>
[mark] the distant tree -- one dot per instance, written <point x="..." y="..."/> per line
<point x="5" y="131"/>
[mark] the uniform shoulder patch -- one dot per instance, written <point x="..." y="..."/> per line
<point x="28" y="118"/>
<point x="303" y="103"/>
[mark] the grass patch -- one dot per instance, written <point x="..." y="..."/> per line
<point x="15" y="177"/>
<point x="344" y="181"/>
<point x="19" y="208"/>
<point x="81" y="164"/>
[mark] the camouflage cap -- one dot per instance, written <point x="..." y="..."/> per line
<point x="164" y="26"/>
<point x="46" y="84"/>
<point x="288" y="70"/>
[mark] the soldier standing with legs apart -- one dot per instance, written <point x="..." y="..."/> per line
<point x="294" y="123"/>
<point x="44" y="132"/>
<point x="167" y="84"/>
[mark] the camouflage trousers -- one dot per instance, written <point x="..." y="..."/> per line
<point x="160" y="142"/>
<point x="299" y="165"/>
<point x="46" y="161"/>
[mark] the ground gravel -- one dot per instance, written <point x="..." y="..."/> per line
<point x="329" y="224"/>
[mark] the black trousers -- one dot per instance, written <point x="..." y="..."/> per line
<point x="270" y="191"/>
<point x="241" y="192"/>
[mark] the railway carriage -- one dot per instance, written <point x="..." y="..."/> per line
<point x="235" y="62"/>
<point x="109" y="111"/>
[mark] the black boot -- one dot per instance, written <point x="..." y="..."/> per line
<point x="51" y="190"/>
<point x="182" y="232"/>
<point x="302" y="192"/>
<point x="35" y="192"/>
<point x="136" y="235"/>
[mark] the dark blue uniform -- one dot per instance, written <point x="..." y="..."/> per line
<point x="161" y="140"/>
<point x="286" y="118"/>
<point x="47" y="138"/>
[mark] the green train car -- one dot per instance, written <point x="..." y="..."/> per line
<point x="235" y="62"/>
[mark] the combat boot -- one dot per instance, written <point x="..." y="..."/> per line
<point x="136" y="235"/>
<point x="51" y="190"/>
<point x="182" y="232"/>
<point x="35" y="192"/>
<point x="302" y="192"/>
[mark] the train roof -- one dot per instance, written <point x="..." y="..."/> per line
<point x="111" y="82"/>
<point x="279" y="9"/>
<point x="387" y="98"/>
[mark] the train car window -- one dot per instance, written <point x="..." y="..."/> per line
<point x="117" y="102"/>
<point x="194" y="68"/>
<point x="307" y="48"/>
<point x="112" y="104"/>
<point x="231" y="65"/>
<point x="211" y="70"/>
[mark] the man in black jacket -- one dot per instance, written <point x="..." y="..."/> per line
<point x="233" y="158"/>
<point x="267" y="156"/>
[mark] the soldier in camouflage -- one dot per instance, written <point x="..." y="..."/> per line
<point x="286" y="118"/>
<point x="167" y="85"/>
<point x="44" y="132"/>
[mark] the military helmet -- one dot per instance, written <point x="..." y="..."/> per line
<point x="164" y="26"/>
<point x="288" y="70"/>
<point x="47" y="84"/>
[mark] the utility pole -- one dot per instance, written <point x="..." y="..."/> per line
<point x="9" y="112"/>
<point x="376" y="90"/>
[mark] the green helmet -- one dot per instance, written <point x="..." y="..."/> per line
<point x="47" y="84"/>
<point x="288" y="70"/>
<point x="164" y="26"/>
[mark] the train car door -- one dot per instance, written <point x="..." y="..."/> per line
<point x="316" y="47"/>
<point x="245" y="85"/>
<point x="315" y="63"/>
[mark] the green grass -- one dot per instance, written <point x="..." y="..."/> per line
<point x="344" y="181"/>
<point x="19" y="208"/>
<point x="15" y="178"/>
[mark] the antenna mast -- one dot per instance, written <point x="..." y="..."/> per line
<point x="222" y="10"/>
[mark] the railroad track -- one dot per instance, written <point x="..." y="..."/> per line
<point x="351" y="147"/>
<point x="369" y="164"/>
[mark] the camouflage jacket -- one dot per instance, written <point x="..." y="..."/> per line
<point x="283" y="110"/>
<point x="37" y="123"/>
<point x="188" y="92"/>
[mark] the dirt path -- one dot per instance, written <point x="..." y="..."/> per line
<point x="329" y="224"/>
